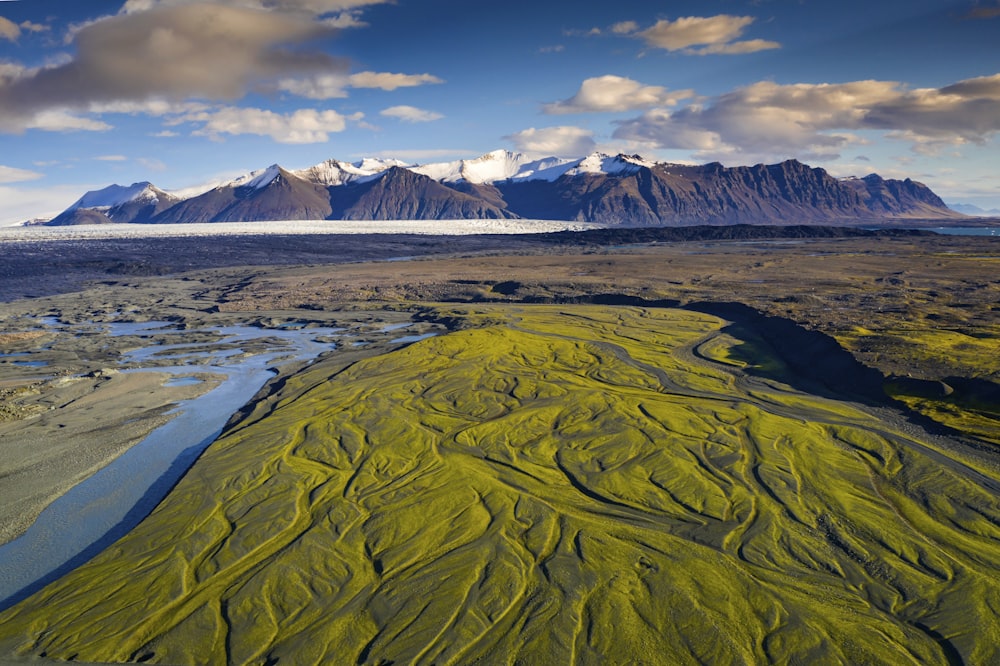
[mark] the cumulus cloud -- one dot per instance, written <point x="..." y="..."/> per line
<point x="559" y="141"/>
<point x="712" y="34"/>
<point x="389" y="81"/>
<point x="302" y="126"/>
<point x="410" y="114"/>
<point x="335" y="85"/>
<point x="817" y="120"/>
<point x="207" y="51"/>
<point x="61" y="120"/>
<point x="14" y="175"/>
<point x="9" y="29"/>
<point x="616" y="93"/>
<point x="625" y="28"/>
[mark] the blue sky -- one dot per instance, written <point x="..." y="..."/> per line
<point x="186" y="92"/>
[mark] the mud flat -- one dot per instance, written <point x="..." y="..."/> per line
<point x="568" y="483"/>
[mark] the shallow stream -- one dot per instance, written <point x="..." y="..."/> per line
<point x="104" y="507"/>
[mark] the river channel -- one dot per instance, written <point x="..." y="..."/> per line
<point x="99" y="510"/>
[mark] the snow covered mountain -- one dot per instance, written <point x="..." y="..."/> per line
<point x="137" y="202"/>
<point x="609" y="189"/>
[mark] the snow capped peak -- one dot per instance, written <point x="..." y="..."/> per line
<point x="373" y="165"/>
<point x="115" y="195"/>
<point x="492" y="167"/>
<point x="334" y="172"/>
<point x="601" y="163"/>
<point x="495" y="166"/>
<point x="257" y="179"/>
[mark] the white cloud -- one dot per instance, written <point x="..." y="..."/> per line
<point x="410" y="114"/>
<point x="767" y="119"/>
<point x="390" y="81"/>
<point x="334" y="85"/>
<point x="625" y="28"/>
<point x="560" y="141"/>
<point x="345" y="20"/>
<point x="149" y="107"/>
<point x="59" y="120"/>
<point x="616" y="93"/>
<point x="302" y="126"/>
<point x="14" y="175"/>
<point x="321" y="86"/>
<point x="9" y="30"/>
<point x="111" y="158"/>
<point x="34" y="27"/>
<point x="714" y="34"/>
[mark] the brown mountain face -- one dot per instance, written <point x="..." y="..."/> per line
<point x="286" y="197"/>
<point x="79" y="216"/>
<point x="657" y="195"/>
<point x="672" y="195"/>
<point x="401" y="194"/>
<point x="901" y="198"/>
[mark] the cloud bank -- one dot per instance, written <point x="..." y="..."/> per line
<point x="302" y="126"/>
<point x="770" y="120"/>
<point x="713" y="35"/>
<point x="162" y="53"/>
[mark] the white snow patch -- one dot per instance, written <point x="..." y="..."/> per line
<point x="332" y="173"/>
<point x="493" y="167"/>
<point x="304" y="227"/>
<point x="257" y="179"/>
<point x="599" y="163"/>
<point x="114" y="195"/>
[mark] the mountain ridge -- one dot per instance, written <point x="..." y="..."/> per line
<point x="619" y="190"/>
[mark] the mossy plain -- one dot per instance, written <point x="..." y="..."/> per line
<point x="552" y="485"/>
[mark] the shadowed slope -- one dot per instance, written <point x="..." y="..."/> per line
<point x="570" y="485"/>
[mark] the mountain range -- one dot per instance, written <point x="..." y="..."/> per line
<point x="975" y="211"/>
<point x="620" y="190"/>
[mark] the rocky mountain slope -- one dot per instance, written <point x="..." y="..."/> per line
<point x="620" y="190"/>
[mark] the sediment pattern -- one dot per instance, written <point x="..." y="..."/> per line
<point x="554" y="485"/>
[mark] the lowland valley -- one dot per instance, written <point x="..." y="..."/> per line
<point x="736" y="446"/>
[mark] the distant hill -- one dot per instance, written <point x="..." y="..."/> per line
<point x="619" y="190"/>
<point x="973" y="210"/>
